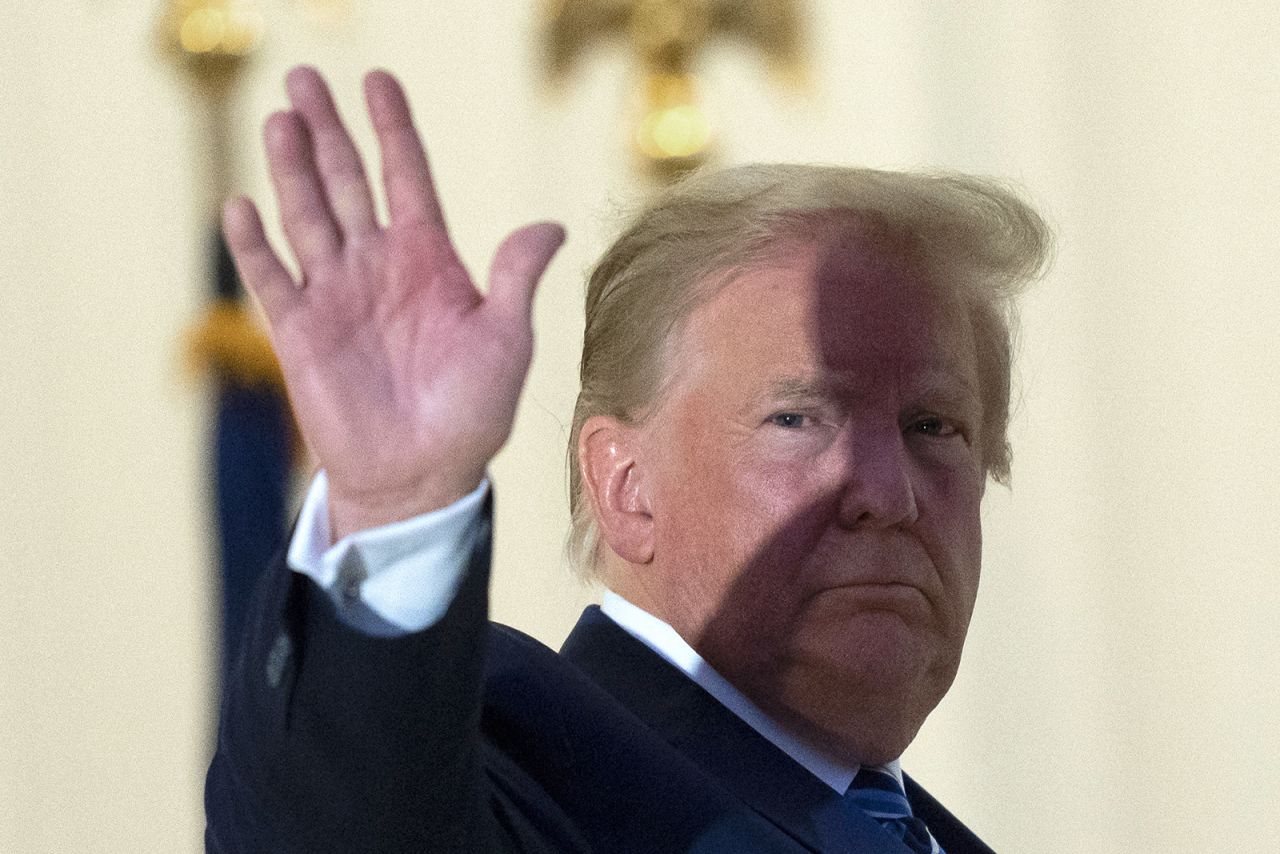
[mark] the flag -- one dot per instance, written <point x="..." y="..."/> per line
<point x="253" y="443"/>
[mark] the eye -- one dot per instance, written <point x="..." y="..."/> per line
<point x="788" y="420"/>
<point x="937" y="427"/>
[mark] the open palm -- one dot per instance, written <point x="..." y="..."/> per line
<point x="404" y="378"/>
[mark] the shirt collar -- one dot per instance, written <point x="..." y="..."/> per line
<point x="667" y="643"/>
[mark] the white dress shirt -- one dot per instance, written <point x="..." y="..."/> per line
<point x="401" y="578"/>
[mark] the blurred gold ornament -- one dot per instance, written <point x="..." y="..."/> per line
<point x="211" y="39"/>
<point x="672" y="126"/>
<point x="228" y="342"/>
<point x="672" y="131"/>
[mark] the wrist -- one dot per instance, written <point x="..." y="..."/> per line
<point x="352" y="511"/>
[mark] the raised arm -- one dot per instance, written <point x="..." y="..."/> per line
<point x="404" y="378"/>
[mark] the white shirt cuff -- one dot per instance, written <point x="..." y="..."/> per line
<point x="393" y="579"/>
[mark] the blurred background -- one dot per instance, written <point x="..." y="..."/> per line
<point x="1121" y="688"/>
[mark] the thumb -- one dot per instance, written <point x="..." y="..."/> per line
<point x="520" y="262"/>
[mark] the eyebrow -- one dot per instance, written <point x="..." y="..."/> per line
<point x="953" y="388"/>
<point x="944" y="381"/>
<point x="802" y="387"/>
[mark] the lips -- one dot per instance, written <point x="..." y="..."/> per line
<point x="871" y="586"/>
<point x="891" y="590"/>
<point x="878" y="563"/>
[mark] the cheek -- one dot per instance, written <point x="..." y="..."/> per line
<point x="966" y="498"/>
<point x="771" y="515"/>
<point x="694" y="497"/>
<point x="735" y="526"/>
<point x="715" y="487"/>
<point x="967" y="568"/>
<point x="953" y="515"/>
<point x="720" y="513"/>
<point x="961" y="562"/>
<point x="951" y="479"/>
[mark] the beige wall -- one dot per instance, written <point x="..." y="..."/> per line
<point x="1122" y="682"/>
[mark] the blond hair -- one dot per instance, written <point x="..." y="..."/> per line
<point x="971" y="234"/>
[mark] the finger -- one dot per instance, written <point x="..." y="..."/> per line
<point x="411" y="195"/>
<point x="304" y="211"/>
<point x="519" y="263"/>
<point x="260" y="269"/>
<point x="341" y="171"/>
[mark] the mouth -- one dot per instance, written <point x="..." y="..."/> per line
<point x="895" y="596"/>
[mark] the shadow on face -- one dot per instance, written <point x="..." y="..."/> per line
<point x="816" y="481"/>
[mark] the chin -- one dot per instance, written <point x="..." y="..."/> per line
<point x="874" y="653"/>
<point x="858" y="732"/>
<point x="875" y="748"/>
<point x="868" y="713"/>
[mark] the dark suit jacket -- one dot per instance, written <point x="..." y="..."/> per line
<point x="472" y="737"/>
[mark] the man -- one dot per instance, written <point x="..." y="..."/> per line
<point x="795" y="382"/>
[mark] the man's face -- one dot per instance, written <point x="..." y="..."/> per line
<point x="815" y="483"/>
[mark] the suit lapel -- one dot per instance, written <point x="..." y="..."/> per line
<point x="951" y="834"/>
<point x="765" y="778"/>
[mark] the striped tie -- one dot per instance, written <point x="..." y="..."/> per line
<point x="877" y="793"/>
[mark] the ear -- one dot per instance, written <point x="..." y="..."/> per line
<point x="613" y="472"/>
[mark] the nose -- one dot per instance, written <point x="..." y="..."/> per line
<point x="876" y="483"/>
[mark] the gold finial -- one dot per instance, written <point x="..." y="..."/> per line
<point x="672" y="132"/>
<point x="211" y="39"/>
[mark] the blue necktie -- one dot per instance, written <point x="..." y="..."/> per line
<point x="877" y="793"/>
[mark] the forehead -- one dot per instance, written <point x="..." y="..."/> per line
<point x="849" y="307"/>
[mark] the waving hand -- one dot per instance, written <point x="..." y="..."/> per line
<point x="404" y="378"/>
